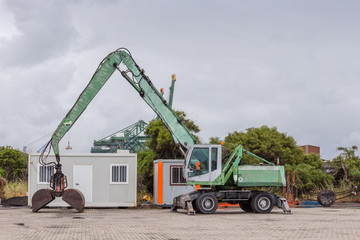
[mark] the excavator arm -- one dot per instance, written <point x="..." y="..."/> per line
<point x="136" y="77"/>
<point x="142" y="84"/>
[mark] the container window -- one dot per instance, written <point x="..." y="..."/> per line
<point x="119" y="174"/>
<point x="176" y="173"/>
<point x="45" y="173"/>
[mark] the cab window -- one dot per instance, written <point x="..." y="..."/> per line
<point x="214" y="154"/>
<point x="199" y="161"/>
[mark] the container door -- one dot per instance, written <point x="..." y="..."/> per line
<point x="83" y="180"/>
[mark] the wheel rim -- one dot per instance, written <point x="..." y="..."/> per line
<point x="264" y="203"/>
<point x="208" y="203"/>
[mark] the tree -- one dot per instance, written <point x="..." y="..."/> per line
<point x="161" y="140"/>
<point x="309" y="177"/>
<point x="267" y="143"/>
<point x="347" y="165"/>
<point x="270" y="144"/>
<point x="214" y="140"/>
<point x="13" y="164"/>
<point x="145" y="170"/>
<point x="160" y="145"/>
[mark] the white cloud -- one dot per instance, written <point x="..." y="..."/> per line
<point x="238" y="65"/>
<point x="45" y="32"/>
<point x="8" y="29"/>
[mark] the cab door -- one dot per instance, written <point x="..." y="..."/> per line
<point x="215" y="162"/>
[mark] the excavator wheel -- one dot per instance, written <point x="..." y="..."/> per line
<point x="194" y="206"/>
<point x="206" y="203"/>
<point x="246" y="206"/>
<point x="262" y="202"/>
<point x="41" y="198"/>
<point x="74" y="198"/>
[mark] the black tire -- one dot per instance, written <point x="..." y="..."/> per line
<point x="246" y="206"/>
<point x="206" y="203"/>
<point x="326" y="198"/>
<point x="262" y="203"/>
<point x="194" y="206"/>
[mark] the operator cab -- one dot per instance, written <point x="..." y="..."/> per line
<point x="203" y="163"/>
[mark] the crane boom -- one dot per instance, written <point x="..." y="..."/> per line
<point x="142" y="84"/>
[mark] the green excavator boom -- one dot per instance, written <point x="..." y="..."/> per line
<point x="142" y="84"/>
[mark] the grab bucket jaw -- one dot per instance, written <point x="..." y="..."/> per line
<point x="58" y="183"/>
<point x="71" y="196"/>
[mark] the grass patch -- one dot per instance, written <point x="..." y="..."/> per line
<point x="15" y="189"/>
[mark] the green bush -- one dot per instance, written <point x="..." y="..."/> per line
<point x="267" y="143"/>
<point x="310" y="178"/>
<point x="13" y="164"/>
<point x="271" y="144"/>
<point x="145" y="170"/>
<point x="2" y="173"/>
<point x="347" y="165"/>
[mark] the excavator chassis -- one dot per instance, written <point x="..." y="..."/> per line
<point x="192" y="201"/>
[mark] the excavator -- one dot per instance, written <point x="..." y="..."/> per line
<point x="231" y="182"/>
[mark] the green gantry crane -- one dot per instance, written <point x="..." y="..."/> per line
<point x="130" y="138"/>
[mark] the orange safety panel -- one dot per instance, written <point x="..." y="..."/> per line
<point x="160" y="183"/>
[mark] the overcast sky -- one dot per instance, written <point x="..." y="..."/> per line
<point x="239" y="64"/>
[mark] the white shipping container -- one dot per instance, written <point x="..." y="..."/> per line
<point x="105" y="179"/>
